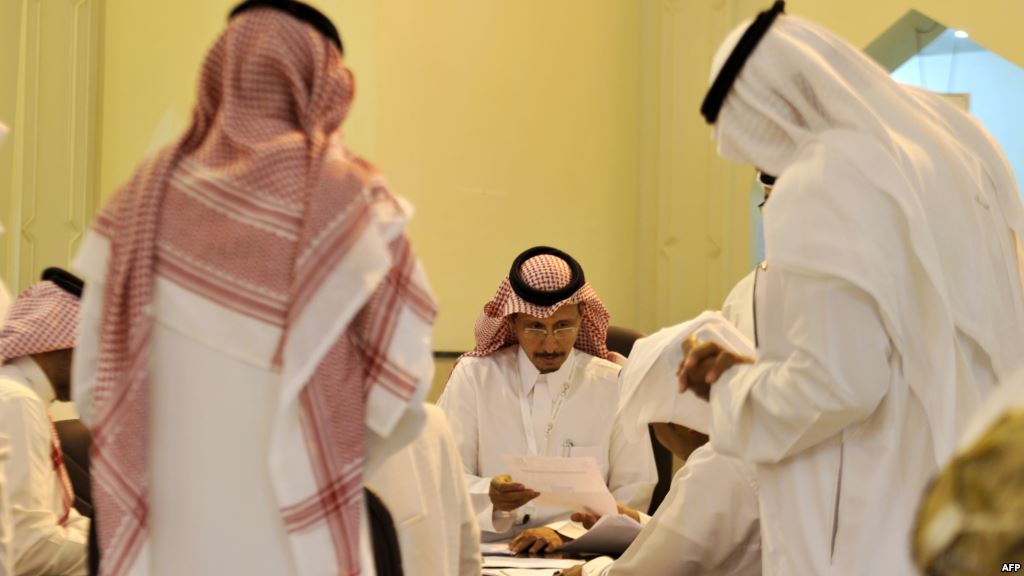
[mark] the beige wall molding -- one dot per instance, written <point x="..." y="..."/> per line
<point x="48" y="193"/>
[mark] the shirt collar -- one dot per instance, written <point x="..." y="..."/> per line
<point x="528" y="373"/>
<point x="26" y="369"/>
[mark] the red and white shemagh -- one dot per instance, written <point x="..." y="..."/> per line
<point x="44" y="318"/>
<point x="494" y="329"/>
<point x="256" y="207"/>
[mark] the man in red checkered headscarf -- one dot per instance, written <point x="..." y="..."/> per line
<point x="259" y="327"/>
<point x="539" y="382"/>
<point x="48" y="535"/>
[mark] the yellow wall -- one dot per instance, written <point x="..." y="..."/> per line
<point x="153" y="50"/>
<point x="510" y="123"/>
<point x="49" y="78"/>
<point x="507" y="124"/>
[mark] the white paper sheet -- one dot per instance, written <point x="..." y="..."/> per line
<point x="521" y="572"/>
<point x="496" y="548"/>
<point x="574" y="484"/>
<point x="610" y="535"/>
<point x="514" y="562"/>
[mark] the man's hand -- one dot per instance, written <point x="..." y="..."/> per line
<point x="536" y="540"/>
<point x="589" y="519"/>
<point x="586" y="518"/>
<point x="507" y="495"/>
<point x="703" y="364"/>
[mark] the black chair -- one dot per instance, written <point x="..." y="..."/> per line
<point x="621" y="340"/>
<point x="387" y="553"/>
<point x="75" y="441"/>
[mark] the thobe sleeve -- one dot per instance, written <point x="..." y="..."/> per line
<point x="632" y="473"/>
<point x="708" y="518"/>
<point x="41" y="546"/>
<point x="469" y="559"/>
<point x="91" y="263"/>
<point x="459" y="404"/>
<point x="823" y="365"/>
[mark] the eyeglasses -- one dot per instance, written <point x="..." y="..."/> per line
<point x="560" y="334"/>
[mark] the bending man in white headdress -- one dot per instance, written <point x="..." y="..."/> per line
<point x="539" y="383"/>
<point x="891" y="301"/>
<point x="708" y="523"/>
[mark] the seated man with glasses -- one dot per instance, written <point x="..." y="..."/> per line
<point x="539" y="382"/>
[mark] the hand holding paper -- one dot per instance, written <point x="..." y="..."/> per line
<point x="507" y="495"/>
<point x="569" y="483"/>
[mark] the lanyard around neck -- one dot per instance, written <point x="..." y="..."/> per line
<point x="524" y="408"/>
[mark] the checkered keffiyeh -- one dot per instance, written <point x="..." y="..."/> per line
<point x="259" y="207"/>
<point x="546" y="272"/>
<point x="44" y="318"/>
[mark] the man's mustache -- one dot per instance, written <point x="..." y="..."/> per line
<point x="548" y="355"/>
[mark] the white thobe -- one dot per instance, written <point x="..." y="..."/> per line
<point x="39" y="545"/>
<point x="423" y="489"/>
<point x="211" y="425"/>
<point x="707" y="525"/>
<point x="842" y="444"/>
<point x="489" y="403"/>
<point x="738" y="307"/>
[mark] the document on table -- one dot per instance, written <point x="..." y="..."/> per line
<point x="516" y="562"/>
<point x="610" y="535"/>
<point x="521" y="572"/>
<point x="496" y="548"/>
<point x="574" y="483"/>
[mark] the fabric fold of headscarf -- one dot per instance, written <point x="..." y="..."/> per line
<point x="649" y="392"/>
<point x="548" y="273"/>
<point x="261" y="209"/>
<point x="42" y="319"/>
